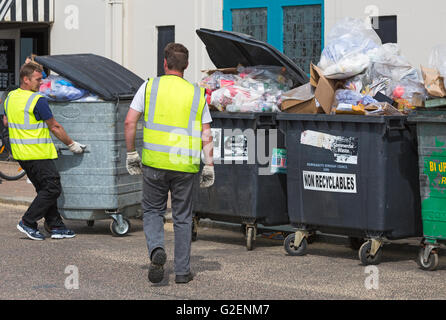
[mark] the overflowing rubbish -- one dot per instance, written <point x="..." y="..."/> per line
<point x="357" y="74"/>
<point x="60" y="89"/>
<point x="247" y="89"/>
<point x="348" y="45"/>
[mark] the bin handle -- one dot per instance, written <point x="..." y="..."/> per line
<point x="269" y="121"/>
<point x="60" y="148"/>
<point x="392" y="126"/>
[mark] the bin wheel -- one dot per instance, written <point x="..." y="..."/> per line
<point x="291" y="249"/>
<point x="365" y="256"/>
<point x="90" y="223"/>
<point x="250" y="238"/>
<point x="120" y="230"/>
<point x="356" y="243"/>
<point x="432" y="262"/>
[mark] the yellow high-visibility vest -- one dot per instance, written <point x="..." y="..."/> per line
<point x="30" y="139"/>
<point x="172" y="133"/>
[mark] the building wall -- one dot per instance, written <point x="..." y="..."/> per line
<point x="127" y="33"/>
<point x="142" y="19"/>
<point x="420" y="23"/>
<point x="79" y="27"/>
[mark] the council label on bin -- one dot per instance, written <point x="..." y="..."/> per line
<point x="345" y="149"/>
<point x="329" y="182"/>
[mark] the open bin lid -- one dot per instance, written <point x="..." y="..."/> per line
<point x="229" y="49"/>
<point x="99" y="75"/>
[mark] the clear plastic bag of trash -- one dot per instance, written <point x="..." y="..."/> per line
<point x="388" y="62"/>
<point x="57" y="88"/>
<point x="437" y="59"/>
<point x="274" y="77"/>
<point x="348" y="97"/>
<point x="346" y="52"/>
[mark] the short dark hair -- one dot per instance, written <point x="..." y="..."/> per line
<point x="28" y="69"/>
<point x="177" y="56"/>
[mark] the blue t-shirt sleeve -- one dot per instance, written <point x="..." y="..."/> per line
<point x="42" y="110"/>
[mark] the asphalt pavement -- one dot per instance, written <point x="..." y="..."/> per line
<point x="97" y="266"/>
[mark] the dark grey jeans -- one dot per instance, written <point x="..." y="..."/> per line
<point x="156" y="187"/>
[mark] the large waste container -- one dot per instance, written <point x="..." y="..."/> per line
<point x="245" y="191"/>
<point x="351" y="175"/>
<point x="96" y="185"/>
<point x="431" y="131"/>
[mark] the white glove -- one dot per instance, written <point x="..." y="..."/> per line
<point x="77" y="148"/>
<point x="207" y="177"/>
<point x="134" y="166"/>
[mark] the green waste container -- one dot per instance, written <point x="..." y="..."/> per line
<point x="431" y="132"/>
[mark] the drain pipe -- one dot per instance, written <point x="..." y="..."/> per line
<point x="116" y="30"/>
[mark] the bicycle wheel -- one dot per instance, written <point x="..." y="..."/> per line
<point x="11" y="170"/>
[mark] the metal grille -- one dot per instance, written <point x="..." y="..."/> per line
<point x="251" y="21"/>
<point x="302" y="34"/>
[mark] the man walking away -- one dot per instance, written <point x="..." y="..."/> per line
<point x="177" y="127"/>
<point x="29" y="120"/>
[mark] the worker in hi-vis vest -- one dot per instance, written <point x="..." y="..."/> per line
<point x="176" y="129"/>
<point x="30" y="121"/>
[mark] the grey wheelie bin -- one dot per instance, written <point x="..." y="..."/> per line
<point x="352" y="175"/>
<point x="245" y="192"/>
<point x="96" y="185"/>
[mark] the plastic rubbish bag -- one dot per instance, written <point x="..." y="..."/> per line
<point x="56" y="88"/>
<point x="348" y="44"/>
<point x="272" y="76"/>
<point x="437" y="59"/>
<point x="218" y="80"/>
<point x="253" y="89"/>
<point x="387" y="62"/>
<point x="348" y="97"/>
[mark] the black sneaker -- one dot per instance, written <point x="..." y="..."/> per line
<point x="156" y="269"/>
<point x="184" y="278"/>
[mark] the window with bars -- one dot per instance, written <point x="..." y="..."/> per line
<point x="302" y="34"/>
<point x="252" y="21"/>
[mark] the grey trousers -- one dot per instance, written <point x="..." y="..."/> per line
<point x="156" y="187"/>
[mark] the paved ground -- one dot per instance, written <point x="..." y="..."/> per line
<point x="116" y="268"/>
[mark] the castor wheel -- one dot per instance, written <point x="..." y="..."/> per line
<point x="366" y="257"/>
<point x="120" y="230"/>
<point x="292" y="249"/>
<point x="432" y="262"/>
<point x="250" y="238"/>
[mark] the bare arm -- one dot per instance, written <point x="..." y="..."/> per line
<point x="59" y="131"/>
<point x="5" y="121"/>
<point x="130" y="129"/>
<point x="208" y="145"/>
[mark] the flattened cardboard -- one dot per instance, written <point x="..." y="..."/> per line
<point x="325" y="88"/>
<point x="297" y="106"/>
<point x="299" y="100"/>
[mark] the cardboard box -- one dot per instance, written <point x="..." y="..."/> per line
<point x="299" y="100"/>
<point x="325" y="88"/>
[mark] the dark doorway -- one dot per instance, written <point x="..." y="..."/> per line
<point x="166" y="35"/>
<point x="34" y="41"/>
<point x="387" y="28"/>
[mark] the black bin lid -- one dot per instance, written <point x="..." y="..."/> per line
<point x="99" y="75"/>
<point x="229" y="49"/>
